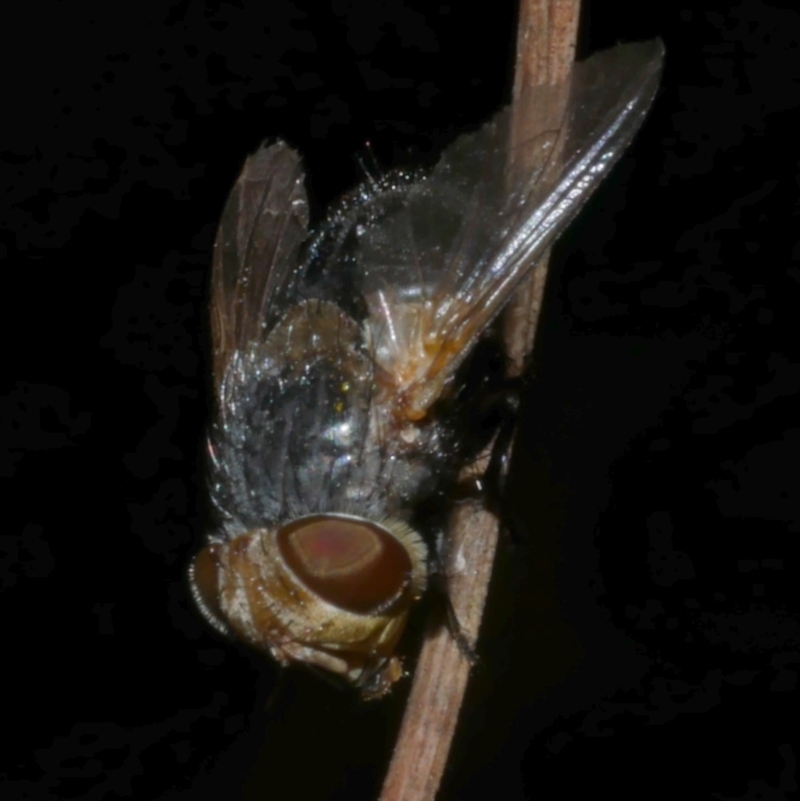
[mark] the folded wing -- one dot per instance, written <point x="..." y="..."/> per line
<point x="256" y="256"/>
<point x="435" y="259"/>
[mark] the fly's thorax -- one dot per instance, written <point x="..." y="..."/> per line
<point x="293" y="438"/>
<point x="333" y="591"/>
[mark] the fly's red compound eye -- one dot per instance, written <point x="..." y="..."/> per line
<point x="352" y="564"/>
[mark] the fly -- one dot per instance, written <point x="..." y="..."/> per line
<point x="335" y="353"/>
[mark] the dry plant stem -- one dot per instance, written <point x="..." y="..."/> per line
<point x="545" y="52"/>
<point x="546" y="36"/>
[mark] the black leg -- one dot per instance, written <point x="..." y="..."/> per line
<point x="494" y="479"/>
<point x="444" y="614"/>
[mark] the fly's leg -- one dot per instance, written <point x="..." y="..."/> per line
<point x="500" y="410"/>
<point x="488" y="490"/>
<point x="485" y="413"/>
<point x="445" y="615"/>
<point x="496" y="476"/>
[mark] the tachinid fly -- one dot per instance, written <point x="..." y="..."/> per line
<point x="334" y="354"/>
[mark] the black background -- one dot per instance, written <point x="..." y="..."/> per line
<point x="641" y="640"/>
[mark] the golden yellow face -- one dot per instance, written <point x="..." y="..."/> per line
<point x="332" y="591"/>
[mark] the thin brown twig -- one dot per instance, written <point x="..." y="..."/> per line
<point x="546" y="35"/>
<point x="545" y="51"/>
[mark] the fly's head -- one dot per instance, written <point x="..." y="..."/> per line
<point x="332" y="591"/>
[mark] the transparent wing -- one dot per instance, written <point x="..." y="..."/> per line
<point x="255" y="262"/>
<point x="438" y="258"/>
